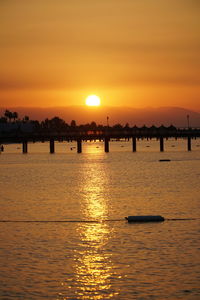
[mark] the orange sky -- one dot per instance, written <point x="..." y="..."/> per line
<point x="134" y="53"/>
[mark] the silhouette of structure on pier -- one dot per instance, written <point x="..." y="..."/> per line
<point x="79" y="134"/>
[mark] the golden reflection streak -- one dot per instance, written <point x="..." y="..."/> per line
<point x="94" y="183"/>
<point x="93" y="266"/>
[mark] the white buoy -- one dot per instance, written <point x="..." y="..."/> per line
<point x="145" y="218"/>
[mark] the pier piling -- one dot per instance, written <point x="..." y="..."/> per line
<point x="79" y="146"/>
<point x="106" y="144"/>
<point x="25" y="147"/>
<point x="52" y="146"/>
<point x="189" y="144"/>
<point x="134" y="144"/>
<point x="161" y="144"/>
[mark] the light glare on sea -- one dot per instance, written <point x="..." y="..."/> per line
<point x="95" y="253"/>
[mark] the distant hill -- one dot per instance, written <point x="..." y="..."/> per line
<point x="82" y="115"/>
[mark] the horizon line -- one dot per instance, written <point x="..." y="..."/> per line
<point x="99" y="107"/>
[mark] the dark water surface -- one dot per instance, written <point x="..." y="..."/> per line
<point x="105" y="258"/>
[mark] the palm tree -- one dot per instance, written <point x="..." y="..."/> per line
<point x="8" y="114"/>
<point x="26" y="119"/>
<point x="15" y="115"/>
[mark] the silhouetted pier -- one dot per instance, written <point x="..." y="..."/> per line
<point x="160" y="133"/>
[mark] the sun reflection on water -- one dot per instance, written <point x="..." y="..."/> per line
<point x="94" y="185"/>
<point x="93" y="266"/>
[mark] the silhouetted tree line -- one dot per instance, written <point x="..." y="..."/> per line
<point x="57" y="124"/>
<point x="10" y="117"/>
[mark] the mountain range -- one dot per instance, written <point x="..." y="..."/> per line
<point x="177" y="116"/>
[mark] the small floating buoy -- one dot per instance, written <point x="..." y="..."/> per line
<point x="145" y="219"/>
<point x="164" y="159"/>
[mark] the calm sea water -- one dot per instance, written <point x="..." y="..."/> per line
<point x="94" y="253"/>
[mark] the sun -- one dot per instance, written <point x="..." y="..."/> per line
<point x="92" y="100"/>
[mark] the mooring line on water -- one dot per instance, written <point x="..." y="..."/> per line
<point x="47" y="221"/>
<point x="86" y="221"/>
<point x="59" y="221"/>
<point x="182" y="219"/>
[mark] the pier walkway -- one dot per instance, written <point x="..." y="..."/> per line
<point x="135" y="133"/>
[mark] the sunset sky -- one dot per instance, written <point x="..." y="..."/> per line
<point x="134" y="53"/>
